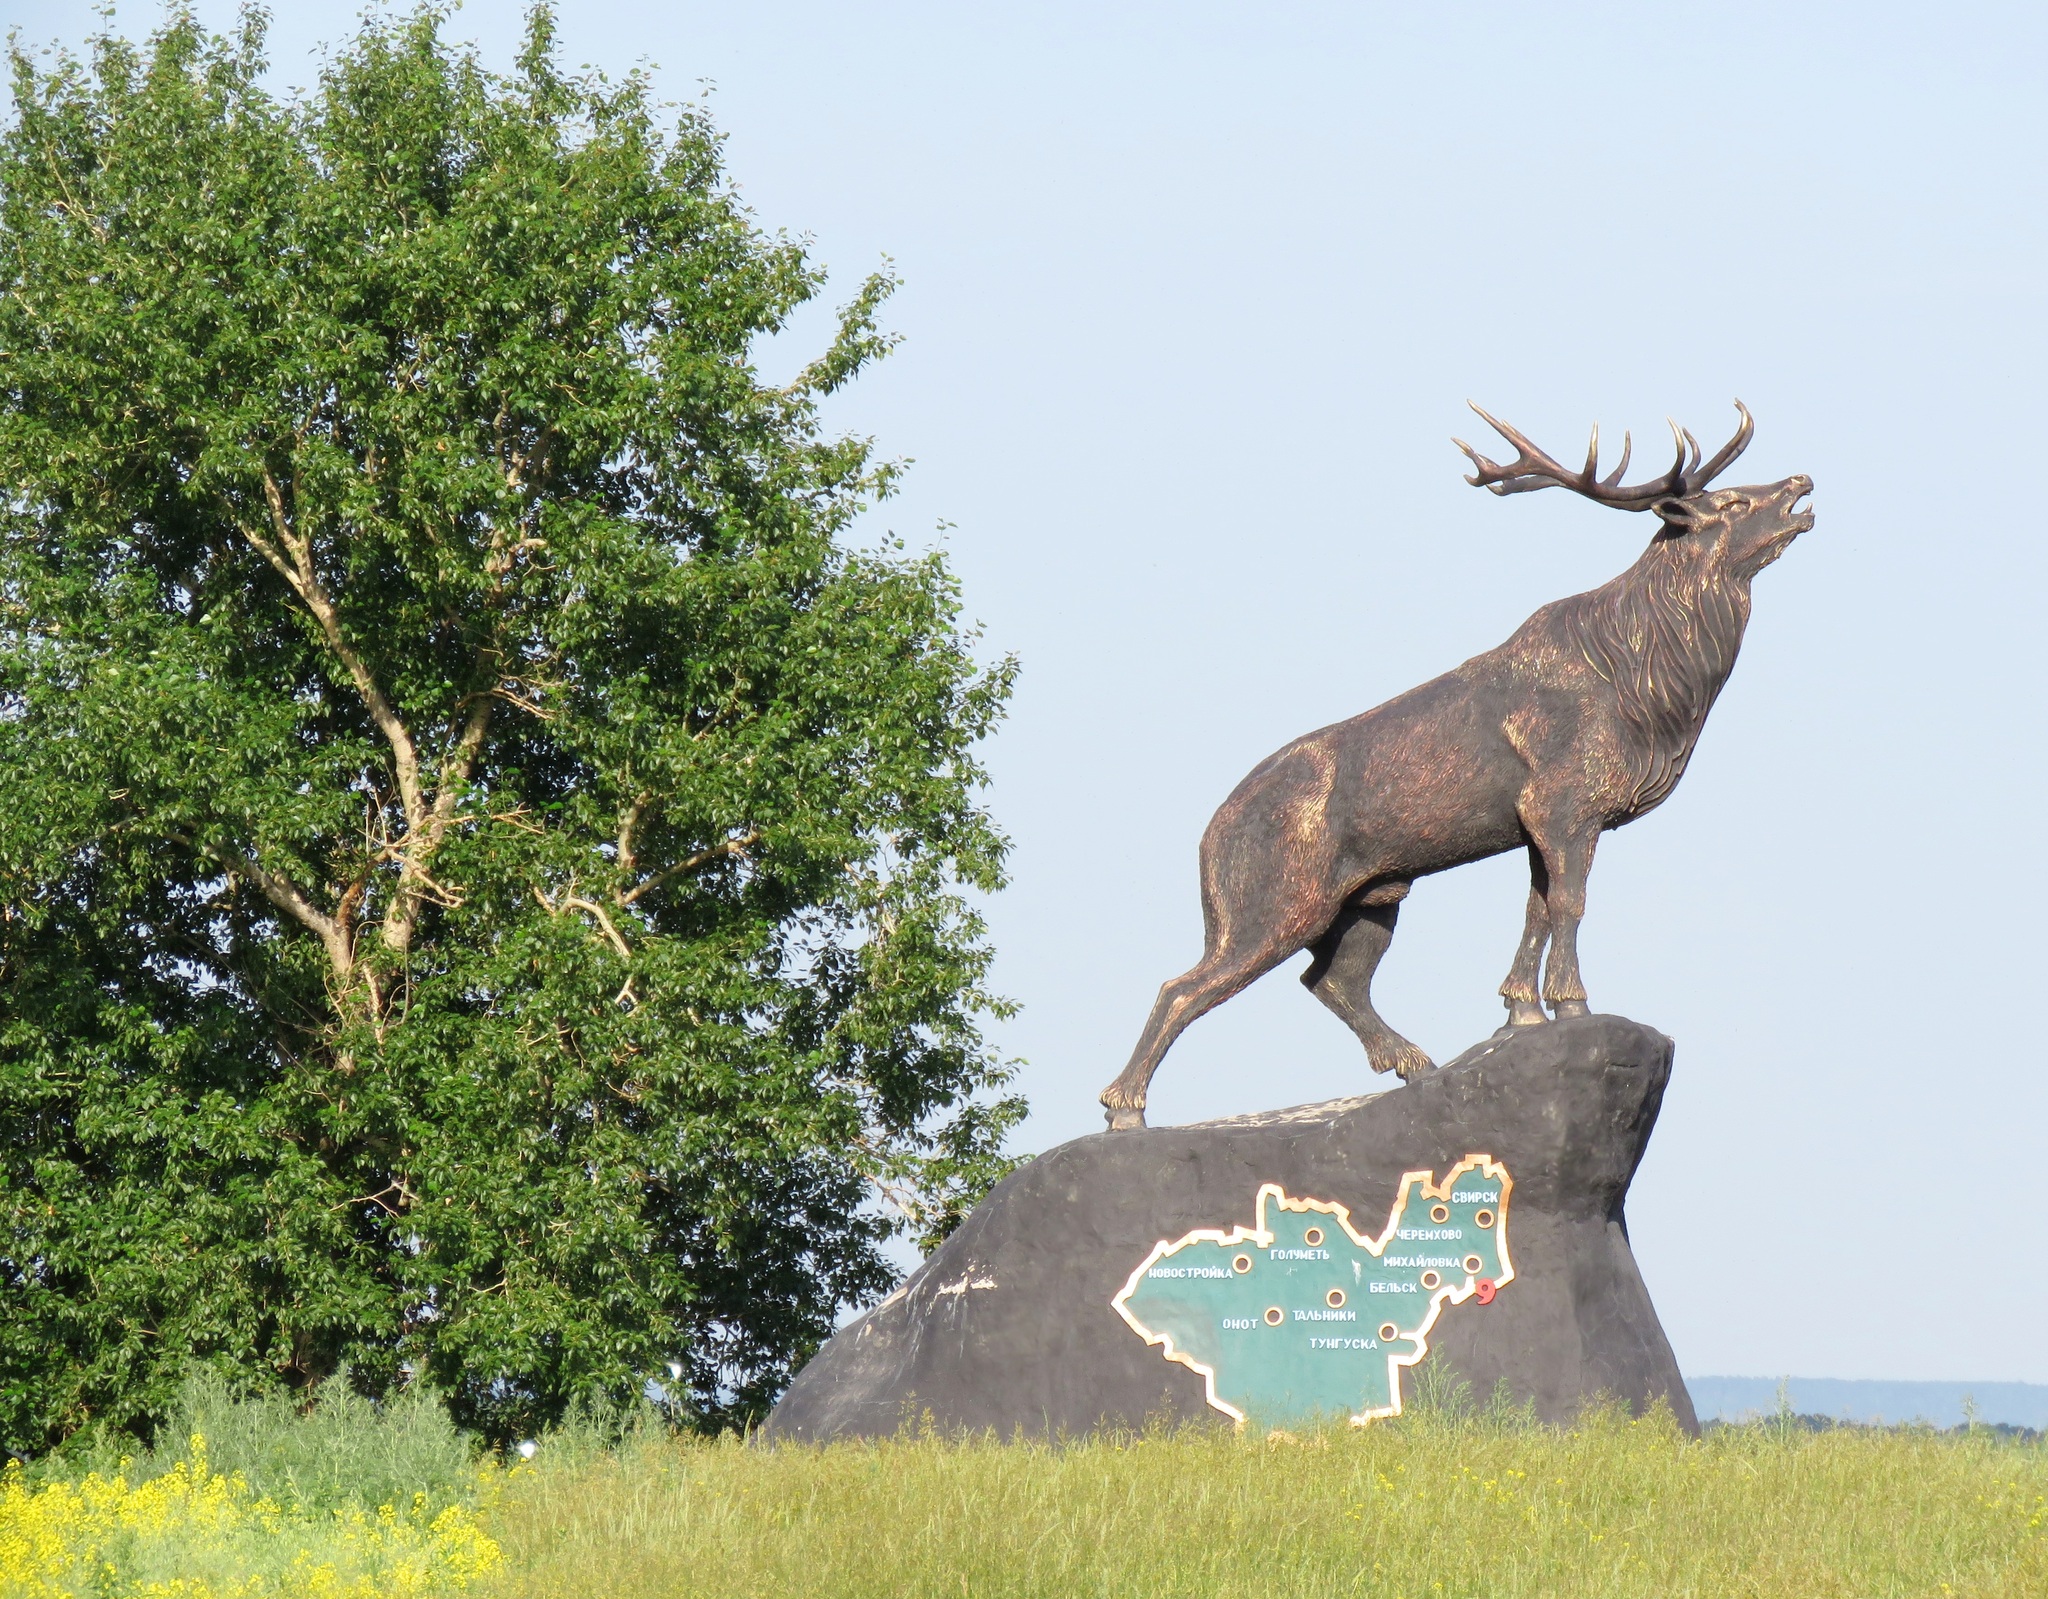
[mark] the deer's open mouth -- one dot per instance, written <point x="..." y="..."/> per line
<point x="1798" y="514"/>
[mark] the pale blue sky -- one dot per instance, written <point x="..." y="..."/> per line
<point x="1195" y="294"/>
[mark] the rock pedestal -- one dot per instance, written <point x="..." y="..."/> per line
<point x="1010" y="1325"/>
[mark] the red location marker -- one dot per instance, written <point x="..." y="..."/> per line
<point x="1484" y="1290"/>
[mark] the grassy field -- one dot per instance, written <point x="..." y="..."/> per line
<point x="1440" y="1508"/>
<point x="1434" y="1505"/>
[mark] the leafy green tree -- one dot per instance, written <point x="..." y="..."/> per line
<point x="483" y="859"/>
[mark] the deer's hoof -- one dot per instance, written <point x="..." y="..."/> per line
<point x="1525" y="1013"/>
<point x="1402" y="1058"/>
<point x="1124" y="1119"/>
<point x="1566" y="1009"/>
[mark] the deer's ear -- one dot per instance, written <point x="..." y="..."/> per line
<point x="1676" y="512"/>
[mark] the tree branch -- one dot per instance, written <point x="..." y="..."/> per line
<point x="422" y="842"/>
<point x="304" y="579"/>
<point x="703" y="857"/>
<point x="629" y="825"/>
<point x="426" y="821"/>
<point x="576" y="902"/>
<point x="286" y="895"/>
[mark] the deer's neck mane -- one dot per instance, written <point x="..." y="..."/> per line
<point x="1665" y="634"/>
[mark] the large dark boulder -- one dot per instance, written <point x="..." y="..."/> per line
<point x="1009" y="1324"/>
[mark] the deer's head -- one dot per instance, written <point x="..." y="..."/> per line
<point x="1739" y="530"/>
<point x="1743" y="529"/>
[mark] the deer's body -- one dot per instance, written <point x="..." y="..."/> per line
<point x="1580" y="722"/>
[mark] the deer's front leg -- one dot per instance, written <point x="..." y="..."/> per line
<point x="1567" y="863"/>
<point x="1524" y="1010"/>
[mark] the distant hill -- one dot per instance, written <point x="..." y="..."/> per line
<point x="2021" y="1404"/>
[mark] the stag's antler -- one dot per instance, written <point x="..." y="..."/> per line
<point x="1532" y="469"/>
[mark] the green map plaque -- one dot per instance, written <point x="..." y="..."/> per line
<point x="1302" y="1315"/>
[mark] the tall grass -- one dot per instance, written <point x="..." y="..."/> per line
<point x="1437" y="1507"/>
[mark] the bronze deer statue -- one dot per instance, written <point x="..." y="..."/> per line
<point x="1582" y="721"/>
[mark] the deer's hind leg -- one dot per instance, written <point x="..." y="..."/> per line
<point x="1268" y="889"/>
<point x="1524" y="1008"/>
<point x="1568" y="861"/>
<point x="1223" y="971"/>
<point x="1561" y="856"/>
<point x="1340" y="975"/>
<point x="1245" y="935"/>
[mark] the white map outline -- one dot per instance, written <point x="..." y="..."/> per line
<point x="1259" y="1235"/>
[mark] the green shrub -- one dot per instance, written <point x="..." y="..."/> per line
<point x="248" y="1499"/>
<point x="345" y="1451"/>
